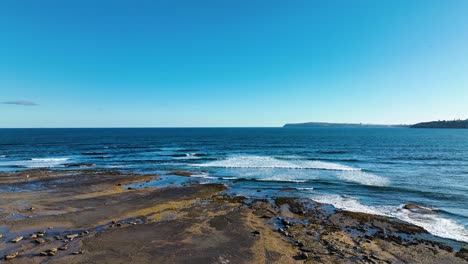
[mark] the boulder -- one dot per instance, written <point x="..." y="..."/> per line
<point x="11" y="256"/>
<point x="71" y="236"/>
<point x="18" y="239"/>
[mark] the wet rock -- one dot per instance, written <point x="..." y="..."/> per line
<point x="256" y="233"/>
<point x="78" y="252"/>
<point x="11" y="256"/>
<point x="40" y="241"/>
<point x="63" y="248"/>
<point x="41" y="232"/>
<point x="181" y="173"/>
<point x="71" y="236"/>
<point x="58" y="237"/>
<point x="1" y="235"/>
<point x="418" y="209"/>
<point x="33" y="236"/>
<point x="285" y="222"/>
<point x="44" y="253"/>
<point x="16" y="240"/>
<point x="463" y="253"/>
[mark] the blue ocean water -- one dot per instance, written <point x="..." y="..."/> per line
<point x="374" y="170"/>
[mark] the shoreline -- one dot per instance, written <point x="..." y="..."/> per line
<point x="78" y="216"/>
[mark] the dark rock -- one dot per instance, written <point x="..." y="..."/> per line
<point x="418" y="209"/>
<point x="63" y="248"/>
<point x="463" y="253"/>
<point x="302" y="256"/>
<point x="181" y="173"/>
<point x="306" y="249"/>
<point x="256" y="232"/>
<point x="285" y="222"/>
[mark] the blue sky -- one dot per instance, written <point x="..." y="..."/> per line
<point x="231" y="62"/>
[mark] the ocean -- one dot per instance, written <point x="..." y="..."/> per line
<point x="373" y="170"/>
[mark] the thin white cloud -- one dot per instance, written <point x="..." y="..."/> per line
<point x="20" y="102"/>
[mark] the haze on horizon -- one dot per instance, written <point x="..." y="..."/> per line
<point x="231" y="63"/>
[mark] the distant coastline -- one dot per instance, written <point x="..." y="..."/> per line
<point x="449" y="124"/>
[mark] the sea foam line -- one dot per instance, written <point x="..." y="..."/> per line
<point x="37" y="162"/>
<point x="270" y="162"/>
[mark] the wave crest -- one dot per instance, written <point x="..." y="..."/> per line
<point x="270" y="162"/>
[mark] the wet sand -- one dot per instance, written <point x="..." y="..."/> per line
<point x="90" y="216"/>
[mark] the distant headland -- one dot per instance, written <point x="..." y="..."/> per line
<point x="442" y="124"/>
<point x="432" y="124"/>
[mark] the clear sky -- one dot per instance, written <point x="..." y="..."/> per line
<point x="231" y="62"/>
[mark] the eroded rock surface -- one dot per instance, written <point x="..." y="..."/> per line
<point x="88" y="216"/>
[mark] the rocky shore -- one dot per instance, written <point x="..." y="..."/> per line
<point x="90" y="216"/>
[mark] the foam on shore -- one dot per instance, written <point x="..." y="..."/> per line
<point x="433" y="223"/>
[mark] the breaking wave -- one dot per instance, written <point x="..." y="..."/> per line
<point x="363" y="178"/>
<point x="433" y="223"/>
<point x="37" y="163"/>
<point x="270" y="162"/>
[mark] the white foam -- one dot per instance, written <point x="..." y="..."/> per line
<point x="188" y="156"/>
<point x="46" y="162"/>
<point x="433" y="223"/>
<point x="364" y="178"/>
<point x="281" y="179"/>
<point x="37" y="162"/>
<point x="270" y="162"/>
<point x="305" y="189"/>
<point x="50" y="159"/>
